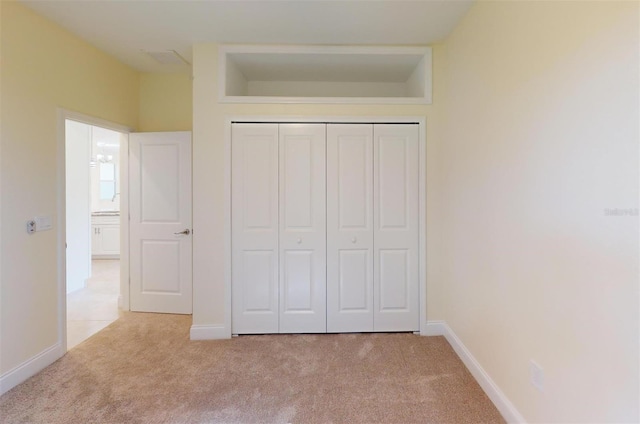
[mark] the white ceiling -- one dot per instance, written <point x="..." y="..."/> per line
<point x="126" y="29"/>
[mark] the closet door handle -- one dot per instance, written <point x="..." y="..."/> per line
<point x="354" y="239"/>
<point x="185" y="232"/>
<point x="299" y="241"/>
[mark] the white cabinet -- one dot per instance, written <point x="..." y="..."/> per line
<point x="105" y="237"/>
<point x="325" y="228"/>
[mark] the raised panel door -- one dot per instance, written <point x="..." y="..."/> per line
<point x="349" y="227"/>
<point x="254" y="220"/>
<point x="396" y="260"/>
<point x="160" y="223"/>
<point x="302" y="228"/>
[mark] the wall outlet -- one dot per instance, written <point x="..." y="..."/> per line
<point x="536" y="374"/>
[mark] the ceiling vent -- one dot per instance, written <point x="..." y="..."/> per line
<point x="168" y="57"/>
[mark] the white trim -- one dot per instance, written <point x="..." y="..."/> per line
<point x="64" y="114"/>
<point x="420" y="120"/>
<point x="209" y="332"/>
<point x="315" y="49"/>
<point x="328" y="119"/>
<point x="123" y="299"/>
<point x="327" y="100"/>
<point x="422" y="223"/>
<point x="62" y="228"/>
<point x="499" y="399"/>
<point x="434" y="328"/>
<point x="227" y="222"/>
<point x="29" y="368"/>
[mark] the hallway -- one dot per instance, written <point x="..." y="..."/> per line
<point x="91" y="309"/>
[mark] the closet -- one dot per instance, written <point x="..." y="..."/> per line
<point x="325" y="228"/>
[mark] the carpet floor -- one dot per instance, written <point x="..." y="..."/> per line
<point x="143" y="369"/>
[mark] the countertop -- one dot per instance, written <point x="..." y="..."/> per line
<point x="105" y="213"/>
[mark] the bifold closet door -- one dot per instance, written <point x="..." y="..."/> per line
<point x="350" y="228"/>
<point x="396" y="226"/>
<point x="255" y="232"/>
<point x="302" y="228"/>
<point x="278" y="237"/>
<point x="325" y="228"/>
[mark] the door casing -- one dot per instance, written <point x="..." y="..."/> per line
<point x="123" y="299"/>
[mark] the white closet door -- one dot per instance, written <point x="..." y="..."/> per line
<point x="254" y="221"/>
<point x="349" y="227"/>
<point x="302" y="228"/>
<point x="396" y="279"/>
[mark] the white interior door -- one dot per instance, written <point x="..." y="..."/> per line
<point x="396" y="260"/>
<point x="160" y="222"/>
<point x="302" y="228"/>
<point x="254" y="222"/>
<point x="78" y="204"/>
<point x="350" y="227"/>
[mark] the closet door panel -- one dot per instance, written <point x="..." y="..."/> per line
<point x="302" y="228"/>
<point x="349" y="227"/>
<point x="396" y="267"/>
<point x="254" y="220"/>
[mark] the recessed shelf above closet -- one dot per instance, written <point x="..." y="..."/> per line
<point x="325" y="74"/>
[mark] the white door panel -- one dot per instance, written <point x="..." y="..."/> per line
<point x="349" y="227"/>
<point x="396" y="278"/>
<point x="302" y="228"/>
<point x="325" y="228"/>
<point x="254" y="220"/>
<point x="80" y="243"/>
<point x="160" y="210"/>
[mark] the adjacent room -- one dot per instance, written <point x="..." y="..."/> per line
<point x="320" y="211"/>
<point x="92" y="208"/>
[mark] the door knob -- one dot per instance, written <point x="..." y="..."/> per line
<point x="299" y="240"/>
<point x="185" y="232"/>
<point x="353" y="240"/>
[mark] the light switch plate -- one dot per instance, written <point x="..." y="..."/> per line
<point x="43" y="222"/>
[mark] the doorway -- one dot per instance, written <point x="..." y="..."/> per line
<point x="93" y="209"/>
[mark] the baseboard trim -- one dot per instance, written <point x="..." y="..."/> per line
<point x="209" y="332"/>
<point x="434" y="328"/>
<point x="29" y="368"/>
<point x="499" y="399"/>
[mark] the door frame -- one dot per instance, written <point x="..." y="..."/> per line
<point x="318" y="119"/>
<point x="123" y="299"/>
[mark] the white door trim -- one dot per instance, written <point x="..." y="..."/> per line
<point x="64" y="114"/>
<point x="420" y="120"/>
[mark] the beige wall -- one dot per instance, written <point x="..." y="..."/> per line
<point x="209" y="184"/>
<point x="530" y="139"/>
<point x="43" y="67"/>
<point x="541" y="138"/>
<point x="165" y="102"/>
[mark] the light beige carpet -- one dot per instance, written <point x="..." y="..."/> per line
<point x="143" y="369"/>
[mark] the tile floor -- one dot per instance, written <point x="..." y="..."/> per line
<point x="91" y="309"/>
